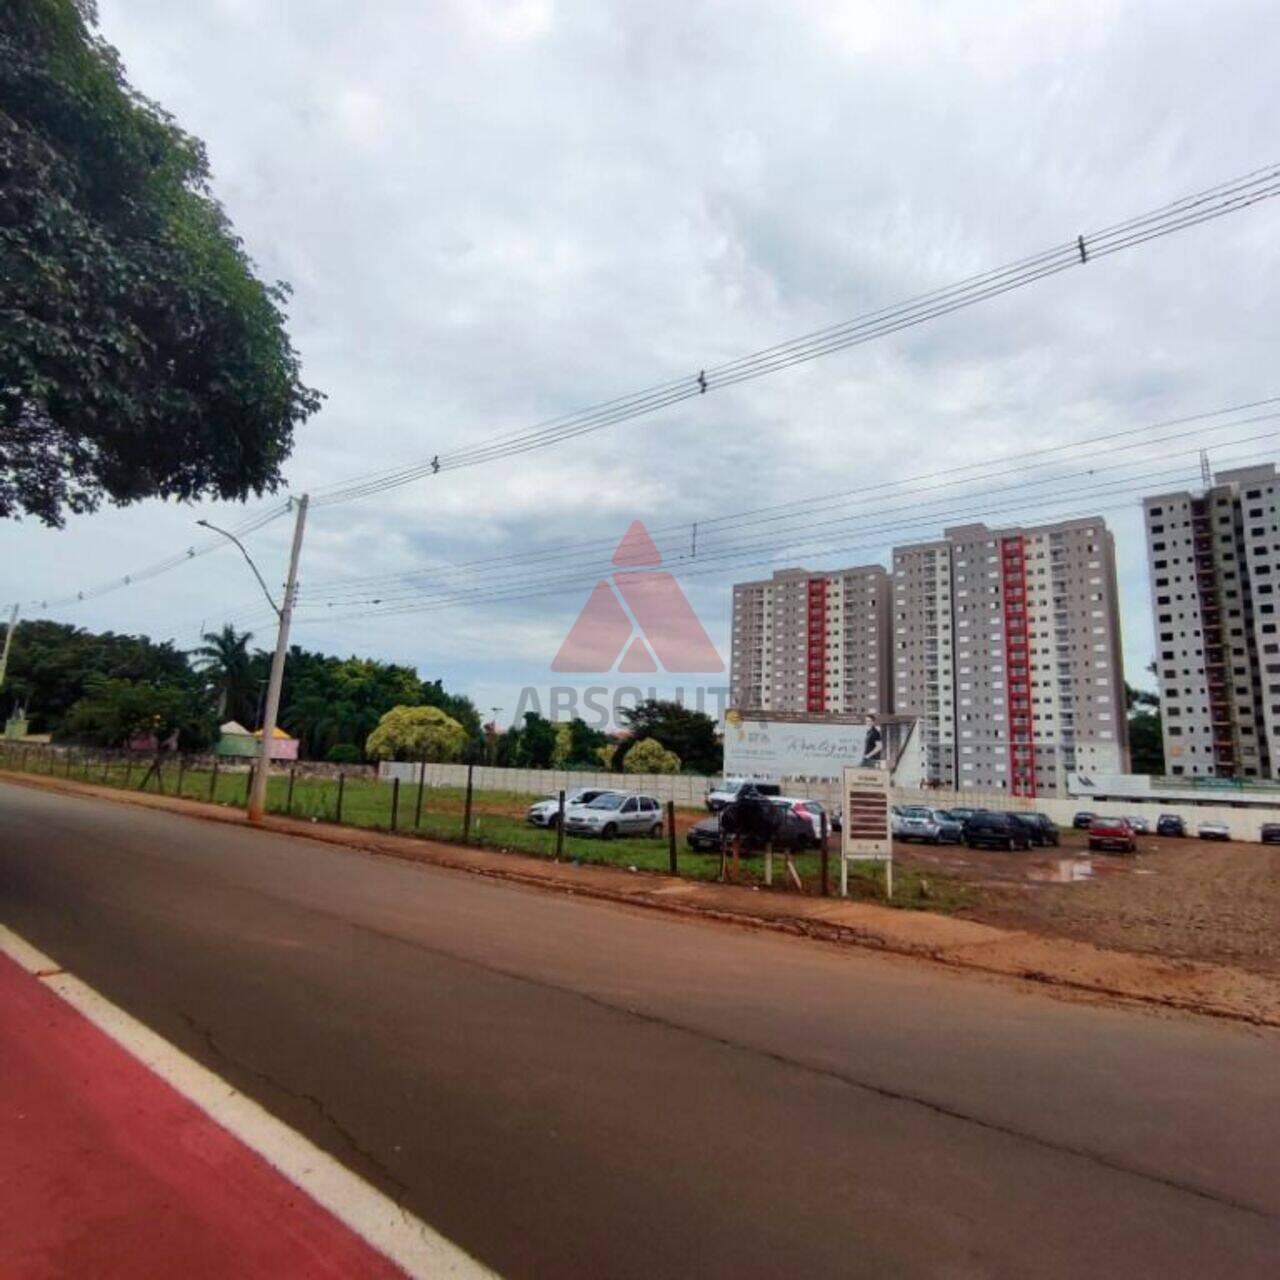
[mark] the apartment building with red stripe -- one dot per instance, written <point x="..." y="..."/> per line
<point x="1003" y="644"/>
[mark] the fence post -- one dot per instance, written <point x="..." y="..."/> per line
<point x="671" y="836"/>
<point x="213" y="781"/>
<point x="23" y="764"/>
<point x="70" y="750"/>
<point x="395" y="801"/>
<point x="768" y="865"/>
<point x="466" y="811"/>
<point x="560" y="827"/>
<point x="128" y="765"/>
<point x="248" y="785"/>
<point x="826" y="858"/>
<point x="342" y="782"/>
<point x="288" y="804"/>
<point x="422" y="782"/>
<point x="182" y="773"/>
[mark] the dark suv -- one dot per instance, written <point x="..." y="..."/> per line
<point x="996" y="831"/>
<point x="1044" y="831"/>
<point x="1169" y="824"/>
<point x="1082" y="820"/>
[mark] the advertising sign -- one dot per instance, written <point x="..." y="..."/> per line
<point x="768" y="749"/>
<point x="867" y="834"/>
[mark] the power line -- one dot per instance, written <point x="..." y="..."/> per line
<point x="798" y="509"/>
<point x="491" y="593"/>
<point x="1203" y="206"/>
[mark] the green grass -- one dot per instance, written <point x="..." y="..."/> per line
<point x="368" y="804"/>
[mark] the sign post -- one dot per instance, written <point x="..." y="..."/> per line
<point x="867" y="835"/>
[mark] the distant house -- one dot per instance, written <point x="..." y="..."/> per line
<point x="236" y="740"/>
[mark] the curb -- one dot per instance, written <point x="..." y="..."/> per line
<point x="467" y="859"/>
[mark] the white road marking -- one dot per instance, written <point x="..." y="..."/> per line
<point x="394" y="1232"/>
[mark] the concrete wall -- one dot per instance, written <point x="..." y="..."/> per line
<point x="690" y="790"/>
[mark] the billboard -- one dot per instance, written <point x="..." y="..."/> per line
<point x="778" y="747"/>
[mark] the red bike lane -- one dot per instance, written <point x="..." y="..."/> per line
<point x="106" y="1170"/>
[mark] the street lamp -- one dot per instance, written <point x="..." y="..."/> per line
<point x="283" y="611"/>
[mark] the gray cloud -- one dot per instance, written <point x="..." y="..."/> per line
<point x="496" y="212"/>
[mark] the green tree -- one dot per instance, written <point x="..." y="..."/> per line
<point x="140" y="355"/>
<point x="1146" y="732"/>
<point x="650" y="756"/>
<point x="114" y="712"/>
<point x="417" y="733"/>
<point x="228" y="668"/>
<point x="690" y="734"/>
<point x="51" y="664"/>
<point x="584" y="744"/>
<point x="537" y="742"/>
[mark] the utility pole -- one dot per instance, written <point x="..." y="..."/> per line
<point x="8" y="643"/>
<point x="258" y="792"/>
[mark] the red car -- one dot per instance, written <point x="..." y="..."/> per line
<point x="1112" y="833"/>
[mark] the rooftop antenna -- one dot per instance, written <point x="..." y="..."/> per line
<point x="1206" y="476"/>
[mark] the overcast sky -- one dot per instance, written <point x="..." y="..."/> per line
<point x="495" y="212"/>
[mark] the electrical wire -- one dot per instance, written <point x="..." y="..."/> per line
<point x="1203" y="206"/>
<point x="796" y="509"/>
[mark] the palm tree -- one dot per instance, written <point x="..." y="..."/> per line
<point x="228" y="667"/>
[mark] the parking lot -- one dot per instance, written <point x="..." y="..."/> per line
<point x="1187" y="899"/>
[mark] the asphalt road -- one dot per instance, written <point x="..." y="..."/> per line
<point x="569" y="1088"/>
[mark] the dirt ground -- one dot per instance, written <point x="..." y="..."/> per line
<point x="1181" y="899"/>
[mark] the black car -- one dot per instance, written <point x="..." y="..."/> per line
<point x="1083" y="821"/>
<point x="793" y="832"/>
<point x="996" y="831"/>
<point x="704" y="836"/>
<point x="1044" y="831"/>
<point x="1271" y="833"/>
<point x="1169" y="824"/>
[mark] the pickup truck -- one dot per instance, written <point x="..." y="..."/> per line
<point x="726" y="791"/>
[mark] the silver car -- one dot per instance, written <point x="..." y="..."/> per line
<point x="615" y="813"/>
<point x="546" y="813"/>
<point x="917" y="822"/>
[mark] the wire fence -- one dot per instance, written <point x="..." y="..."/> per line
<point x="466" y="814"/>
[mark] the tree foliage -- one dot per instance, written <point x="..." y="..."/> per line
<point x="690" y="734"/>
<point x="51" y="665"/>
<point x="417" y="733"/>
<point x="140" y="355"/>
<point x="231" y="673"/>
<point x="650" y="756"/>
<point x="114" y="712"/>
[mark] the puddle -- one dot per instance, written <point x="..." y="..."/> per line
<point x="1062" y="871"/>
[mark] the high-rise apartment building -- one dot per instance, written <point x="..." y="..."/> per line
<point x="1006" y="645"/>
<point x="812" y="642"/>
<point x="1214" y="558"/>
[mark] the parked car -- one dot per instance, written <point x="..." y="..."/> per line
<point x="615" y="813"/>
<point x="996" y="831"/>
<point x="1044" y="831"/>
<point x="962" y="815"/>
<point x="1271" y="833"/>
<point x="795" y="830"/>
<point x="1169" y="824"/>
<point x="1213" y="831"/>
<point x="704" y="835"/>
<point x="1112" y="833"/>
<point x="915" y="822"/>
<point x="1138" y="824"/>
<point x="726" y="791"/>
<point x="933" y="826"/>
<point x="810" y="810"/>
<point x="546" y="813"/>
<point x="951" y="825"/>
<point x="1083" y="820"/>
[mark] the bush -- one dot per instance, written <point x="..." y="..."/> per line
<point x="343" y="753"/>
<point x="650" y="756"/>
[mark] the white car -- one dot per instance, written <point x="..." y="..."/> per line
<point x="615" y="813"/>
<point x="1213" y="831"/>
<point x="726" y="792"/>
<point x="546" y="813"/>
<point x="804" y="808"/>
